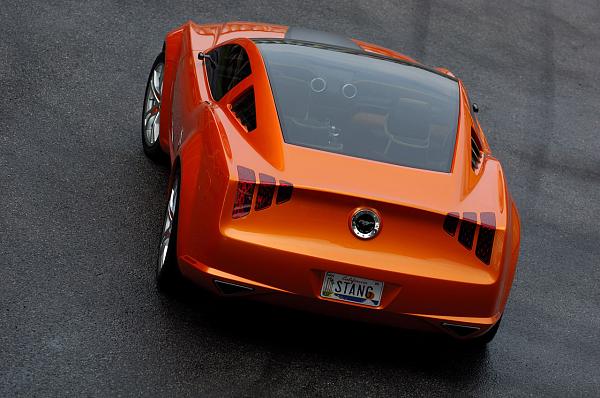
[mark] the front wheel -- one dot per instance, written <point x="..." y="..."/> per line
<point x="151" y="110"/>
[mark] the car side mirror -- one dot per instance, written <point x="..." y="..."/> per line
<point x="475" y="107"/>
<point x="204" y="57"/>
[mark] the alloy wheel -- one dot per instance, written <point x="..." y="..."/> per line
<point x="168" y="231"/>
<point x="152" y="105"/>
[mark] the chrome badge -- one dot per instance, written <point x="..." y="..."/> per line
<point x="365" y="223"/>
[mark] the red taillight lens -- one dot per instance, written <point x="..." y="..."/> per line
<point x="284" y="192"/>
<point x="485" y="239"/>
<point x="466" y="235"/>
<point x="245" y="191"/>
<point x="450" y="223"/>
<point x="266" y="190"/>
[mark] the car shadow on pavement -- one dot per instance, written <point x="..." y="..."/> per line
<point x="289" y="332"/>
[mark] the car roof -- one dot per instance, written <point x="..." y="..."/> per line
<point x="317" y="36"/>
<point x="357" y="50"/>
<point x="209" y="35"/>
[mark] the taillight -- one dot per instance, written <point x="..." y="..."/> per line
<point x="244" y="194"/>
<point x="284" y="192"/>
<point x="466" y="235"/>
<point x="485" y="239"/>
<point x="266" y="190"/>
<point x="245" y="191"/>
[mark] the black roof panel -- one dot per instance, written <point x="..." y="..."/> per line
<point x="316" y="36"/>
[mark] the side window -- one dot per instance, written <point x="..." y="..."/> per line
<point x="244" y="109"/>
<point x="231" y="66"/>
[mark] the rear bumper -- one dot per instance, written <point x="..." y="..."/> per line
<point x="293" y="278"/>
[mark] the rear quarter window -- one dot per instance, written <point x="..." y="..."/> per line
<point x="231" y="66"/>
<point x="244" y="109"/>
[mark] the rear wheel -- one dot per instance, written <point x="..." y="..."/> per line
<point x="167" y="270"/>
<point x="151" y="110"/>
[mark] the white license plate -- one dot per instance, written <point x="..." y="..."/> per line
<point x="352" y="289"/>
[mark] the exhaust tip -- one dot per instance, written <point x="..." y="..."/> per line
<point x="229" y="288"/>
<point x="461" y="330"/>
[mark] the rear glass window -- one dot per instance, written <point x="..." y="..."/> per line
<point x="363" y="106"/>
<point x="231" y="66"/>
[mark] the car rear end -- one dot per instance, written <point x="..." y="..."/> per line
<point x="286" y="225"/>
<point x="282" y="237"/>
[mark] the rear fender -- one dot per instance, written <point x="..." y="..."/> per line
<point x="205" y="177"/>
<point x="172" y="50"/>
<point x="511" y="251"/>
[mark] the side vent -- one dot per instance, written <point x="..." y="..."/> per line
<point x="244" y="109"/>
<point x="476" y="153"/>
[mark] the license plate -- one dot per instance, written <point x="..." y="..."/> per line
<point x="351" y="288"/>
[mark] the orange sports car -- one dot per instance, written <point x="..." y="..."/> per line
<point x="328" y="174"/>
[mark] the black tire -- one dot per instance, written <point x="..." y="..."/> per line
<point x="151" y="149"/>
<point x="167" y="273"/>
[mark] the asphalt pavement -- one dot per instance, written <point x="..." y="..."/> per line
<point x="81" y="210"/>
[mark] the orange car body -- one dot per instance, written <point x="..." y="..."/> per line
<point x="282" y="252"/>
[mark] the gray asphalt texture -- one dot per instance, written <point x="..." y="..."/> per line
<point x="82" y="208"/>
